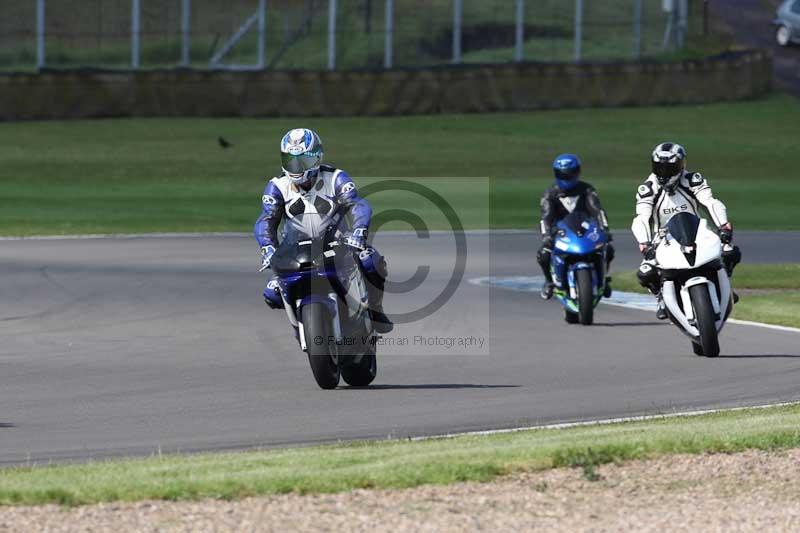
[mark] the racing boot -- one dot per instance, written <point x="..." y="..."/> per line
<point x="547" y="290"/>
<point x="380" y="321"/>
<point x="661" y="311"/>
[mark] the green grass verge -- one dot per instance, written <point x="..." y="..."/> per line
<point x="769" y="293"/>
<point x="98" y="35"/>
<point x="396" y="464"/>
<point x="144" y="175"/>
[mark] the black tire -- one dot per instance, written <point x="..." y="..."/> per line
<point x="697" y="349"/>
<point x="585" y="296"/>
<point x="704" y="319"/>
<point x="316" y="325"/>
<point x="362" y="373"/>
<point x="570" y="317"/>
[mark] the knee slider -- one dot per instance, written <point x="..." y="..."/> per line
<point x="272" y="295"/>
<point x="731" y="258"/>
<point x="647" y="275"/>
<point x="373" y="263"/>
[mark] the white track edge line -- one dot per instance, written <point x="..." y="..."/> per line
<point x="603" y="422"/>
<point x="482" y="281"/>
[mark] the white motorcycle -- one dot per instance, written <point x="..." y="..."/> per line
<point x="694" y="283"/>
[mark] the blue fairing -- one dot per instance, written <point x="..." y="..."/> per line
<point x="579" y="241"/>
<point x="568" y="241"/>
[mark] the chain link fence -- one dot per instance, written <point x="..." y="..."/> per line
<point x="335" y="34"/>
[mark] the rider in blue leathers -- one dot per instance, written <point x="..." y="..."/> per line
<point x="308" y="186"/>
<point x="566" y="195"/>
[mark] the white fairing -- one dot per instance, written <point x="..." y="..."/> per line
<point x="670" y="255"/>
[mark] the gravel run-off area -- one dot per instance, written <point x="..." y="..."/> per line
<point x="751" y="491"/>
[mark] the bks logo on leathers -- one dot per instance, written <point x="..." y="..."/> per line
<point x="674" y="210"/>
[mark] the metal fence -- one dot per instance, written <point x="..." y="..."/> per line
<point x="335" y="34"/>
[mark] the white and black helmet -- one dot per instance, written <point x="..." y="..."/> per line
<point x="669" y="161"/>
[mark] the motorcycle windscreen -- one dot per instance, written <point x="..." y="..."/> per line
<point x="302" y="242"/>
<point x="579" y="222"/>
<point x="683" y="228"/>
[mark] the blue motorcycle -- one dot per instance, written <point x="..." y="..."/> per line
<point x="578" y="266"/>
<point x="325" y="296"/>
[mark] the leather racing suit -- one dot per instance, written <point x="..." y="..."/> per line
<point x="657" y="204"/>
<point x="332" y="189"/>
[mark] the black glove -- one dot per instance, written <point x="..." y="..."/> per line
<point x="649" y="252"/>
<point x="726" y="235"/>
<point x="547" y="241"/>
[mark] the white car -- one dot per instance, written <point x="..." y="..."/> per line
<point x="788" y="23"/>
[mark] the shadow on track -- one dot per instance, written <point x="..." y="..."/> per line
<point x="6" y="425"/>
<point x="628" y="324"/>
<point x="782" y="356"/>
<point x="432" y="386"/>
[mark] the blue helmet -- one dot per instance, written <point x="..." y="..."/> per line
<point x="567" y="168"/>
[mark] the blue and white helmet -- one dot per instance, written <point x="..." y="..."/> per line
<point x="567" y="169"/>
<point x="301" y="155"/>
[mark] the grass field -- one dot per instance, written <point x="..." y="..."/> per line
<point x="396" y="464"/>
<point x="98" y="33"/>
<point x="145" y="175"/>
<point x="769" y="293"/>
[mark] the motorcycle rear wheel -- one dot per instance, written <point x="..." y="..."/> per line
<point x="585" y="296"/>
<point x="704" y="319"/>
<point x="321" y="352"/>
<point x="362" y="373"/>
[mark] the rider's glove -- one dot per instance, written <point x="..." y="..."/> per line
<point x="726" y="234"/>
<point x="547" y="241"/>
<point x="648" y="251"/>
<point x="266" y="257"/>
<point x="356" y="239"/>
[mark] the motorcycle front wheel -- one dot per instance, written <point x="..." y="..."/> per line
<point x="704" y="319"/>
<point x="585" y="296"/>
<point x="321" y="352"/>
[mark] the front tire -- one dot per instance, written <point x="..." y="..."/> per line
<point x="585" y="296"/>
<point x="705" y="320"/>
<point x="321" y="355"/>
<point x="783" y="36"/>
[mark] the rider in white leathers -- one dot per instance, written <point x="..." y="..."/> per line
<point x="670" y="190"/>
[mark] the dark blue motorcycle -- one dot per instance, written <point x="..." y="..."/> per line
<point x="325" y="296"/>
<point x="578" y="266"/>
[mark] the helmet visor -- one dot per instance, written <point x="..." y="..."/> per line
<point x="666" y="170"/>
<point x="568" y="174"/>
<point x="297" y="164"/>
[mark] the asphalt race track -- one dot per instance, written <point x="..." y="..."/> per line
<point x="129" y="346"/>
